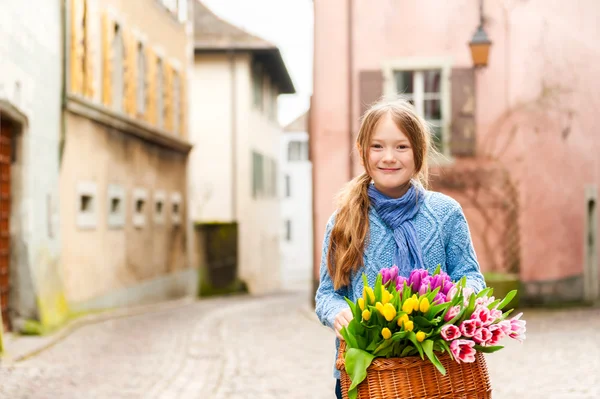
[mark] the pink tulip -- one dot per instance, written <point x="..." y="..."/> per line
<point x="469" y="327"/>
<point x="439" y="298"/>
<point x="452" y="312"/>
<point x="495" y="314"/>
<point x="385" y="276"/>
<point x="482" y="335"/>
<point x="450" y="332"/>
<point x="517" y="328"/>
<point x="497" y="334"/>
<point x="482" y="314"/>
<point x="463" y="350"/>
<point x="452" y="293"/>
<point x="505" y="326"/>
<point x="467" y="292"/>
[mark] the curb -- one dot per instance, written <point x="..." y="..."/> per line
<point x="19" y="348"/>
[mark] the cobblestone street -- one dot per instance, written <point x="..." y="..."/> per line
<point x="273" y="347"/>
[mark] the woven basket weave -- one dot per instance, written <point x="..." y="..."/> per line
<point x="413" y="378"/>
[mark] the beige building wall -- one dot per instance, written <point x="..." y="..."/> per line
<point x="217" y="153"/>
<point x="123" y="182"/>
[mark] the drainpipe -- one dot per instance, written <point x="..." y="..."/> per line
<point x="350" y="88"/>
<point x="233" y="136"/>
<point x="63" y="122"/>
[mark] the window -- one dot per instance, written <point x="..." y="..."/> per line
<point x="288" y="230"/>
<point x="264" y="176"/>
<point x="141" y="80"/>
<point x="176" y="208"/>
<point x="160" y="93"/>
<point x="159" y="207"/>
<point x="116" y="206"/>
<point x="297" y="151"/>
<point x="424" y="89"/>
<point x="288" y="186"/>
<point x="140" y="196"/>
<point x="258" y="86"/>
<point x="86" y="205"/>
<point x="118" y="84"/>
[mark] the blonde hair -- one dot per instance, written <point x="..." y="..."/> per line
<point x="351" y="228"/>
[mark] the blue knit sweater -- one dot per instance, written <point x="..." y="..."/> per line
<point x="445" y="240"/>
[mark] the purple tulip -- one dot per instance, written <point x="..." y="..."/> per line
<point x="394" y="272"/>
<point x="400" y="283"/>
<point x="439" y="298"/>
<point x="385" y="275"/>
<point x="414" y="280"/>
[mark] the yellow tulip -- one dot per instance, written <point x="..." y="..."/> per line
<point x="424" y="305"/>
<point x="379" y="307"/>
<point x="385" y="296"/>
<point x="370" y="294"/>
<point x="366" y="315"/>
<point x="415" y="303"/>
<point x="402" y="319"/>
<point x="386" y="333"/>
<point x="408" y="305"/>
<point x="409" y="325"/>
<point x="361" y="303"/>
<point x="389" y="311"/>
<point x="420" y="336"/>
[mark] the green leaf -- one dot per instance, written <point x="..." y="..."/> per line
<point x="354" y="308"/>
<point x="423" y="322"/>
<point x="349" y="338"/>
<point x="435" y="309"/>
<point x="487" y="349"/>
<point x="438" y="269"/>
<point x="485" y="292"/>
<point x="509" y="297"/>
<point x="397" y="336"/>
<point x="446" y="347"/>
<point x="385" y="345"/>
<point x="462" y="282"/>
<point x="357" y="362"/>
<point x="408" y="351"/>
<point x="413" y="338"/>
<point x="378" y="288"/>
<point x="428" y="349"/>
<point x="493" y="304"/>
<point x="469" y="310"/>
<point x="506" y="314"/>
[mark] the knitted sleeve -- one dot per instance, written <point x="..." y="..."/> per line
<point x="329" y="302"/>
<point x="460" y="254"/>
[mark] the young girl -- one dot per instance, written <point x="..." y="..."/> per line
<point x="387" y="217"/>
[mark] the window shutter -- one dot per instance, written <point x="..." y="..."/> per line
<point x="462" y="140"/>
<point x="168" y="95"/>
<point x="150" y="86"/>
<point x="182" y="105"/>
<point x="370" y="89"/>
<point x="107" y="57"/>
<point x="129" y="74"/>
<point x="76" y="46"/>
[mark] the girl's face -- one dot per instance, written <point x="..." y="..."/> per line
<point x="391" y="162"/>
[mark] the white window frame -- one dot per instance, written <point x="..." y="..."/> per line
<point x="420" y="64"/>
<point x="159" y="196"/>
<point x="182" y="10"/>
<point x="116" y="220"/>
<point x="87" y="220"/>
<point x="176" y="200"/>
<point x="139" y="219"/>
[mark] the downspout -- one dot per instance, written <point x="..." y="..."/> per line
<point x="233" y="135"/>
<point x="350" y="89"/>
<point x="63" y="105"/>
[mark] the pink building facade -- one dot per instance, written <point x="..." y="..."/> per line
<point x="519" y="137"/>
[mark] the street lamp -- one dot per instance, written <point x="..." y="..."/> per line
<point x="480" y="43"/>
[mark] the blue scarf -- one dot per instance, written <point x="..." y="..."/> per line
<point x="397" y="214"/>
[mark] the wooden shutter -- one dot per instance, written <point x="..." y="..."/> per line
<point x="370" y="88"/>
<point x="89" y="49"/>
<point x="462" y="139"/>
<point x="76" y="53"/>
<point x="182" y="105"/>
<point x="168" y="95"/>
<point x="130" y="73"/>
<point x="150" y="86"/>
<point x="107" y="59"/>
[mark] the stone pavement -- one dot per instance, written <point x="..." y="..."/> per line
<point x="273" y="347"/>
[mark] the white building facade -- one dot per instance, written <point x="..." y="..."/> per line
<point x="296" y="206"/>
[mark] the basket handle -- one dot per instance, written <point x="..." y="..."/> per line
<point x="340" y="362"/>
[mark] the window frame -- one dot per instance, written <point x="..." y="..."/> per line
<point x="417" y="64"/>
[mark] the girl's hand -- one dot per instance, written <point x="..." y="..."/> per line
<point x="341" y="320"/>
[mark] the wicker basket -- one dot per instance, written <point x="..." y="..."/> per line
<point x="413" y="378"/>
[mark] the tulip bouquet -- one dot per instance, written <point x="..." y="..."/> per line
<point x="424" y="315"/>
